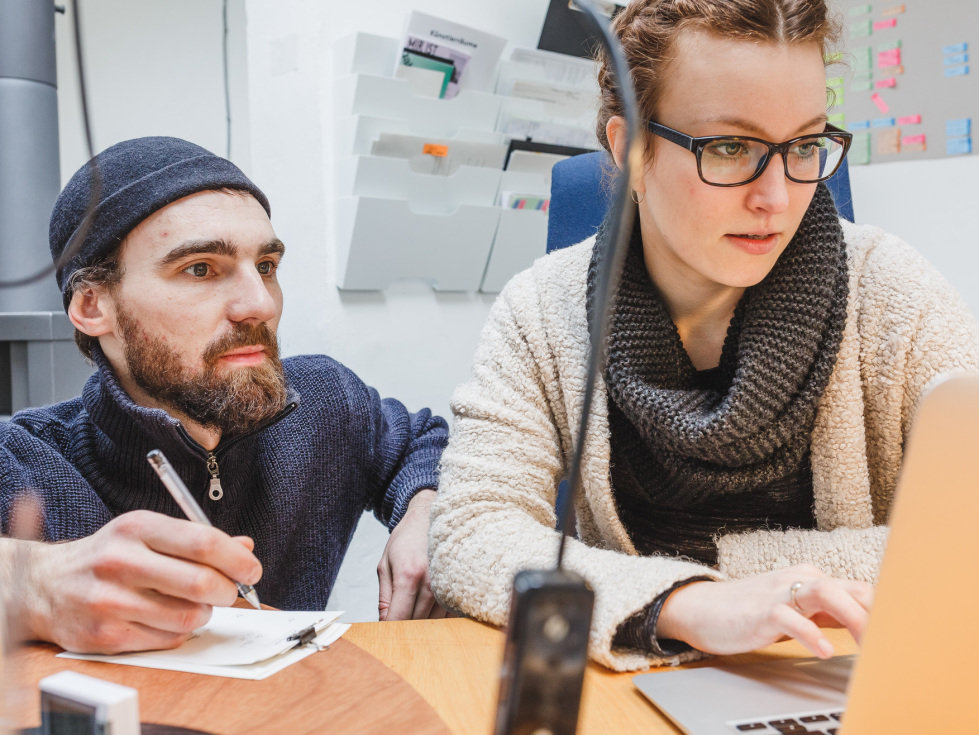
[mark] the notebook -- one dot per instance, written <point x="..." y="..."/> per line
<point x="915" y="672"/>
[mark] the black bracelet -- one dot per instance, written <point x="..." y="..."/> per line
<point x="638" y="632"/>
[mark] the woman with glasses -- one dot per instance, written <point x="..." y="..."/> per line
<point x="763" y="365"/>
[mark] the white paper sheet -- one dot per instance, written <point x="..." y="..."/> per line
<point x="237" y="643"/>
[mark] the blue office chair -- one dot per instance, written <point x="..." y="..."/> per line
<point x="581" y="194"/>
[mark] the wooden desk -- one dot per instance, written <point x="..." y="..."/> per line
<point x="425" y="677"/>
<point x="455" y="664"/>
<point x="343" y="690"/>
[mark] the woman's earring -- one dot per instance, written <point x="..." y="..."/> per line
<point x="637" y="197"/>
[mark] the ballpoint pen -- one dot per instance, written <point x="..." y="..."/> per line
<point x="171" y="480"/>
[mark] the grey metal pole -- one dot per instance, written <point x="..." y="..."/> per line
<point x="30" y="176"/>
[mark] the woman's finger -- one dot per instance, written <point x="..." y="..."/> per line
<point x="790" y="622"/>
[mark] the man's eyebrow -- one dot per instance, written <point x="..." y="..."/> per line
<point x="738" y="122"/>
<point x="198" y="247"/>
<point x="215" y="247"/>
<point x="273" y="247"/>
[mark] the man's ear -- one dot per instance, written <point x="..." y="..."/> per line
<point x="90" y="310"/>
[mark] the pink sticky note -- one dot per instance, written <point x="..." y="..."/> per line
<point x="889" y="58"/>
<point x="913" y="139"/>
<point x="909" y="120"/>
<point x="889" y="82"/>
<point x="882" y="24"/>
<point x="879" y="101"/>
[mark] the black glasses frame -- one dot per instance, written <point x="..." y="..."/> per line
<point x="697" y="145"/>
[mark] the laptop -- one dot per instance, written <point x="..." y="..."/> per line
<point x="917" y="667"/>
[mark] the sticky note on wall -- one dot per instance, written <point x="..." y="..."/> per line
<point x="959" y="127"/>
<point x="860" y="125"/>
<point x="862" y="58"/>
<point x="889" y="58"/>
<point x="860" y="9"/>
<point x="881" y="25"/>
<point x="879" y="101"/>
<point x="889" y="82"/>
<point x="956" y="71"/>
<point x="889" y="141"/>
<point x="859" y="150"/>
<point x="956" y="59"/>
<point x="958" y="146"/>
<point x="861" y="29"/>
<point x="894" y="10"/>
<point x="955" y="48"/>
<point x="909" y="120"/>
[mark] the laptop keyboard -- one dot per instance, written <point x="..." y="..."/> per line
<point x="826" y="722"/>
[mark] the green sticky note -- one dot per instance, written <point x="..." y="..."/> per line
<point x="838" y="119"/>
<point x="862" y="29"/>
<point x="835" y="82"/>
<point x="888" y="46"/>
<point x="860" y="9"/>
<point x="863" y="58"/>
<point x="859" y="149"/>
<point x="862" y="85"/>
<point x="863" y="74"/>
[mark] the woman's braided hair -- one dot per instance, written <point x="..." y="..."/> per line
<point x="649" y="29"/>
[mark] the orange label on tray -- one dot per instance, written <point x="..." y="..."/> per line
<point x="432" y="149"/>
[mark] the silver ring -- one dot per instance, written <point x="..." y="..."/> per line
<point x="796" y="586"/>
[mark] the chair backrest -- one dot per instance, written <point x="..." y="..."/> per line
<point x="581" y="194"/>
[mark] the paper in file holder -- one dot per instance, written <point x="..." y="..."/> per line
<point x="521" y="237"/>
<point x="380" y="241"/>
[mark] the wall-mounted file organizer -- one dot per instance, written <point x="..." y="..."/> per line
<point x="380" y="241"/>
<point x="354" y="134"/>
<point x="521" y="237"/>
<point x="392" y="178"/>
<point x="395" y="223"/>
<point x="387" y="97"/>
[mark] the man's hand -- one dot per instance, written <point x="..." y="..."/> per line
<point x="746" y="614"/>
<point x="405" y="589"/>
<point x="143" y="581"/>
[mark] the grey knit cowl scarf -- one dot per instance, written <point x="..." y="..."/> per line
<point x="776" y="362"/>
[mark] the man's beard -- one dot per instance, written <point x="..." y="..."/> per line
<point x="234" y="402"/>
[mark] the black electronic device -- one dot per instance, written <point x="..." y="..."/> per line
<point x="546" y="653"/>
<point x="551" y="610"/>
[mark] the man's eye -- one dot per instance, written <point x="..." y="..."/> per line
<point x="266" y="267"/>
<point x="199" y="270"/>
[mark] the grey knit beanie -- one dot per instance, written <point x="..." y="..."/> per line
<point x="138" y="177"/>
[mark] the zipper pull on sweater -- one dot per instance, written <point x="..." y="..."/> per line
<point x="215" y="492"/>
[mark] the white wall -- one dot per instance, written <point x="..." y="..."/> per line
<point x="152" y="68"/>
<point x="155" y="68"/>
<point x="932" y="206"/>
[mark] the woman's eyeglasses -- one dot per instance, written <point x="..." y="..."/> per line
<point x="733" y="160"/>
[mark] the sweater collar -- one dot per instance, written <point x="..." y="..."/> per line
<point x="123" y="420"/>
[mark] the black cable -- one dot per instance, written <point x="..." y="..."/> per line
<point x="227" y="87"/>
<point x="78" y="238"/>
<point x="620" y="218"/>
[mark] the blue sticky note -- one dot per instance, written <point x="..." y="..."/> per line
<point x="958" y="128"/>
<point x="958" y="146"/>
<point x="883" y="122"/>
<point x="957" y="71"/>
<point x="956" y="48"/>
<point x="957" y="59"/>
<point x="861" y="125"/>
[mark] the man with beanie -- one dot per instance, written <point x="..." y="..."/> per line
<point x="171" y="285"/>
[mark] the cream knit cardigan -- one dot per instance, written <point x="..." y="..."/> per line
<point x="516" y="419"/>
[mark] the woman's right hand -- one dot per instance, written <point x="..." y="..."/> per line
<point x="746" y="614"/>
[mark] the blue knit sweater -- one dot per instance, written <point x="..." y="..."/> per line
<point x="297" y="486"/>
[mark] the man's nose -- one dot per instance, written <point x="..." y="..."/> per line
<point x="251" y="298"/>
